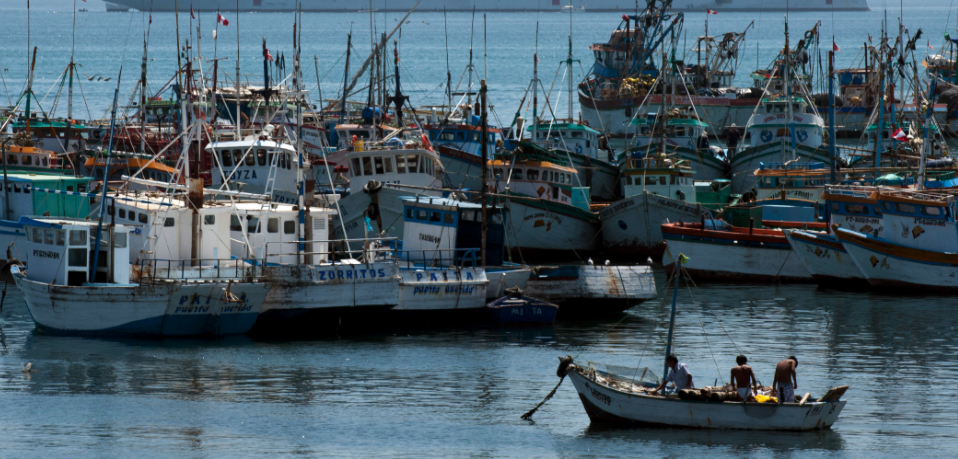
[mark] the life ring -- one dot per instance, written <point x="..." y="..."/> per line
<point x="425" y="142"/>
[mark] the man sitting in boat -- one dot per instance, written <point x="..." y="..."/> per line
<point x="680" y="375"/>
<point x="785" y="380"/>
<point x="743" y="379"/>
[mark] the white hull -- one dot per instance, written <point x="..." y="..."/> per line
<point x="607" y="405"/>
<point x="390" y="207"/>
<point x="615" y="120"/>
<point x="737" y="261"/>
<point x="446" y="289"/>
<point x="173" y="309"/>
<point x="582" y="289"/>
<point x="747" y="161"/>
<point x="888" y="270"/>
<point x="824" y="257"/>
<point x="534" y="229"/>
<point x="633" y="226"/>
<point x="499" y="281"/>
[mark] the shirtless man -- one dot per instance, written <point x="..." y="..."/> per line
<point x="785" y="380"/>
<point x="743" y="380"/>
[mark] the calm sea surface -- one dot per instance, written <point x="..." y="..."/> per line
<point x="460" y="393"/>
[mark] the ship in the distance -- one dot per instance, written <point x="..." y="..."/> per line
<point x="483" y="5"/>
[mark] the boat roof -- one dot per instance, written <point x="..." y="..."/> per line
<point x="671" y="121"/>
<point x="544" y="164"/>
<point x="565" y="127"/>
<point x="248" y="143"/>
<point x="433" y="202"/>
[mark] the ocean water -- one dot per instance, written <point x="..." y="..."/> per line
<point x="460" y="393"/>
<point x="503" y="45"/>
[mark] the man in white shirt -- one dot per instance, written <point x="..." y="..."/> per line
<point x="680" y="375"/>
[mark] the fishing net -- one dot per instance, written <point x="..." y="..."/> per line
<point x="623" y="378"/>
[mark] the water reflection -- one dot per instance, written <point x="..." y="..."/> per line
<point x="737" y="442"/>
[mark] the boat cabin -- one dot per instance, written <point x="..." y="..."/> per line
<point x="416" y="166"/>
<point x="656" y="175"/>
<point x="271" y="233"/>
<point x="122" y="163"/>
<point x="364" y="133"/>
<point x="60" y="251"/>
<point x="541" y="178"/>
<point x="855" y="208"/>
<point x="682" y="131"/>
<point x="445" y="232"/>
<point x="572" y="137"/>
<point x="30" y="159"/>
<point x="262" y="166"/>
<point x="462" y="137"/>
<point x="52" y="134"/>
<point x="920" y="219"/>
<point x="771" y="125"/>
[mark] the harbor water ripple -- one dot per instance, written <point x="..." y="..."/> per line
<point x="459" y="393"/>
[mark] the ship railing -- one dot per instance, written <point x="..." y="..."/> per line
<point x="368" y="250"/>
<point x="439" y="258"/>
<point x="152" y="271"/>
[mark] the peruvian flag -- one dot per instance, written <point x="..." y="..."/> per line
<point x="711" y="12"/>
<point x="267" y="55"/>
<point x="929" y="45"/>
<point x="220" y="19"/>
<point x="835" y="46"/>
<point x="900" y="135"/>
<point x="192" y="15"/>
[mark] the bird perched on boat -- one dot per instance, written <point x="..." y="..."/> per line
<point x="590" y="262"/>
<point x="28" y="368"/>
<point x="607" y="262"/>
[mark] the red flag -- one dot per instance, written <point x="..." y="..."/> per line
<point x="267" y="55"/>
<point x="191" y="12"/>
<point x="835" y="46"/>
<point x="929" y="45"/>
<point x="537" y="57"/>
<point x="151" y="16"/>
<point x="220" y="19"/>
<point x="900" y="135"/>
<point x="869" y="38"/>
<point x="711" y="12"/>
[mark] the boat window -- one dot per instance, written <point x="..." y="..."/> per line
<point x="859" y="209"/>
<point x="877" y="211"/>
<point x="411" y="162"/>
<point x="497" y="172"/>
<point x="795" y="108"/>
<point x="45" y="163"/>
<point x="388" y="162"/>
<point x="421" y="214"/>
<point x="209" y="219"/>
<point x="492" y="138"/>
<point x="78" y="237"/>
<point x="356" y="170"/>
<point x="576" y="135"/>
<point x="261" y="157"/>
<point x="27" y="160"/>
<point x="252" y="224"/>
<point x="422" y="165"/>
<point x="227" y="158"/>
<point x="132" y="216"/>
<point x="76" y="257"/>
<point x="429" y="165"/>
<point x="462" y="136"/>
<point x="447" y="218"/>
<point x="905" y="208"/>
<point x="12" y="159"/>
<point x="401" y="164"/>
<point x="48" y="236"/>
<point x="447" y="136"/>
<point x="37" y="236"/>
<point x="250" y="159"/>
<point x="834" y="206"/>
<point x="561" y="178"/>
<point x="234" y="223"/>
<point x="628" y="179"/>
<point x="122" y="213"/>
<point x="61" y="237"/>
<point x="367" y="165"/>
<point x="555" y="192"/>
<point x="468" y="215"/>
<point x="532" y="174"/>
<point x="143" y="218"/>
<point x="119" y="240"/>
<point x="517" y="174"/>
<point x="237" y="157"/>
<point x="644" y="131"/>
<point x="680" y="131"/>
<point x="671" y="180"/>
<point x="931" y="211"/>
<point x="378" y="163"/>
<point x="475" y="137"/>
<point x="661" y="180"/>
<point x="170" y="222"/>
<point x="272" y="225"/>
<point x="289" y="227"/>
<point x="435" y="216"/>
<point x="410" y="214"/>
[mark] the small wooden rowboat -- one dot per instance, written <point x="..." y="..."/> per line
<point x="522" y="310"/>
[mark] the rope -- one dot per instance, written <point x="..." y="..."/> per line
<point x="524" y="417"/>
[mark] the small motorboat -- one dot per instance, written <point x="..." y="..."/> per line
<point x="517" y="309"/>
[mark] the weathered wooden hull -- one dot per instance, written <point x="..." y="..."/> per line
<point x="502" y="278"/>
<point x="614" y="116"/>
<point x="604" y="404"/>
<point x="583" y="291"/>
<point x="540" y="230"/>
<point x="733" y="256"/>
<point x="312" y="299"/>
<point x="825" y="258"/>
<point x="443" y="296"/>
<point x="889" y="265"/>
<point x="632" y="226"/>
<point x="461" y="169"/>
<point x="602" y="177"/>
<point x="351" y="210"/>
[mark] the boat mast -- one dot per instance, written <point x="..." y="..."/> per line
<point x="448" y="74"/>
<point x="831" y="111"/>
<point x="788" y="90"/>
<point x="106" y="180"/>
<point x="880" y="63"/>
<point x="66" y="148"/>
<point x="142" y="95"/>
<point x="675" y="296"/>
<point x="484" y="120"/>
<point x="297" y="68"/>
<point x="535" y="90"/>
<point x="569" y="64"/>
<point x="30" y="88"/>
<point x="239" y="134"/>
<point x="349" y="46"/>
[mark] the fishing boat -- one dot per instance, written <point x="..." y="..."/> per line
<point x="916" y="250"/>
<point x="750" y="253"/>
<point x="548" y="213"/>
<point x="590" y="290"/>
<point x="521" y="310"/>
<point x="580" y="145"/>
<point x="790" y="192"/>
<point x="854" y="208"/>
<point x="683" y="129"/>
<point x="260" y="165"/>
<point x="625" y="396"/>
